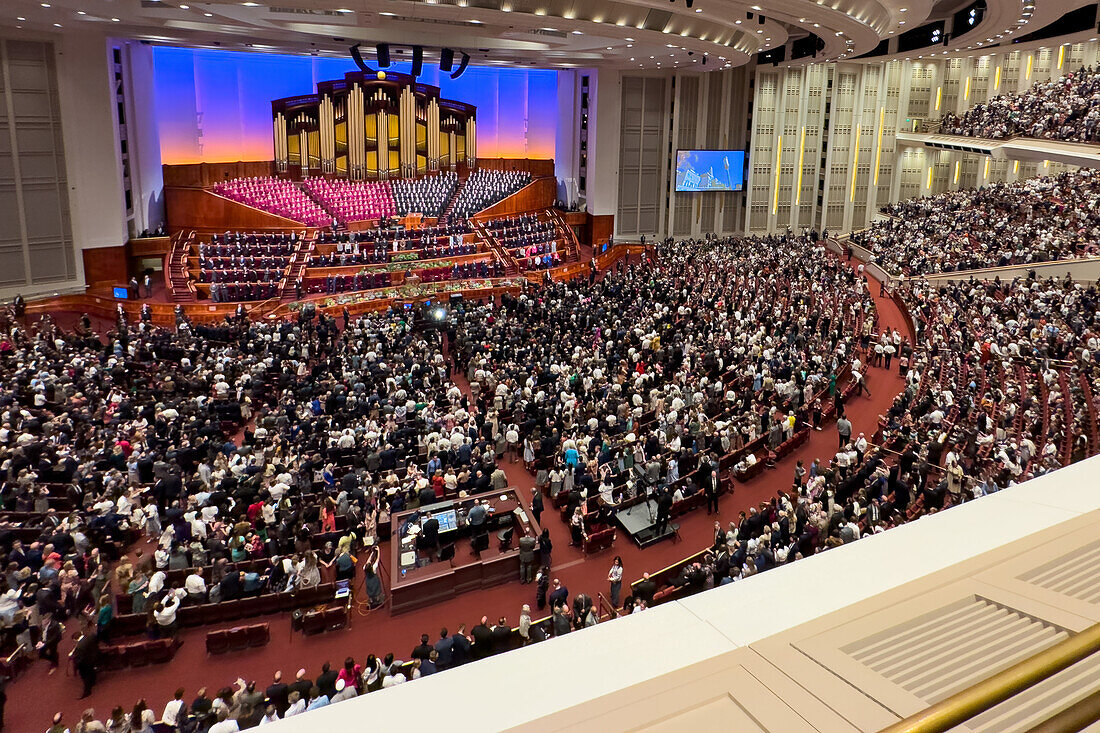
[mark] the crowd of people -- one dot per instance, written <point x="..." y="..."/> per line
<point x="483" y="188"/>
<point x="1020" y="222"/>
<point x="532" y="242"/>
<point x="348" y="200"/>
<point x="277" y="196"/>
<point x="290" y="444"/>
<point x="1065" y="108"/>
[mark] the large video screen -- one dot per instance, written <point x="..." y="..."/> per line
<point x="710" y="170"/>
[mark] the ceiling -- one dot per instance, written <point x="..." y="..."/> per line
<point x="648" y="34"/>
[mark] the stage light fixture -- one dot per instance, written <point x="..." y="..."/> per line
<point x="418" y="61"/>
<point x="383" y="54"/>
<point x="446" y="59"/>
<point x="461" y="66"/>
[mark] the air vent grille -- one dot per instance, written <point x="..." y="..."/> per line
<point x="935" y="655"/>
<point x="1076" y="575"/>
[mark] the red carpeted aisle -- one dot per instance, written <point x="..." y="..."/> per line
<point x="35" y="696"/>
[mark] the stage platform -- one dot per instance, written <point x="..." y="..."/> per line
<point x="639" y="521"/>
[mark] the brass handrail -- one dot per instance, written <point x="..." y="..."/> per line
<point x="978" y="698"/>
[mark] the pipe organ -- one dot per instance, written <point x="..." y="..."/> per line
<point x="367" y="128"/>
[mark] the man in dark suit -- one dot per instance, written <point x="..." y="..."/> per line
<point x="429" y="535"/>
<point x="483" y="639"/>
<point x="326" y="681"/>
<point x="460" y="647"/>
<point x="85" y="656"/>
<point x="645" y="589"/>
<point x="278" y="692"/>
<point x="424" y="650"/>
<point x="502" y="636"/>
<point x="302" y="685"/>
<point x="664" y="505"/>
<point x="708" y="479"/>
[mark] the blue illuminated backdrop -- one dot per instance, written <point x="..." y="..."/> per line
<point x="215" y="106"/>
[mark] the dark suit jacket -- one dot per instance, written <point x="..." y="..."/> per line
<point x="645" y="590"/>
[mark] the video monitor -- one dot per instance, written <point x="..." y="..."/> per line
<point x="710" y="170"/>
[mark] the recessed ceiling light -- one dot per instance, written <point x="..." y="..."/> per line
<point x="188" y="7"/>
<point x="250" y="4"/>
<point x="476" y="22"/>
<point x="81" y="12"/>
<point x="115" y="20"/>
<point x="209" y="15"/>
<point x="578" y="33"/>
<point x="760" y="31"/>
<point x="550" y="30"/>
<point x="903" y="10"/>
<point x="389" y="15"/>
<point x="56" y="25"/>
<point x="21" y="18"/>
<point x="45" y="5"/>
<point x="737" y="22"/>
<point x="630" y="45"/>
<point x="609" y="48"/>
<point x="630" y="39"/>
<point x="901" y="22"/>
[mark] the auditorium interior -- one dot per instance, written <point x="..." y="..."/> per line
<point x="621" y="365"/>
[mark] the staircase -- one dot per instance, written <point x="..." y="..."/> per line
<point x="568" y="246"/>
<point x="299" y="261"/>
<point x="511" y="266"/>
<point x="449" y="205"/>
<point x="177" y="278"/>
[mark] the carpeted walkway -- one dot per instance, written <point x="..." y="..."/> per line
<point x="35" y="696"/>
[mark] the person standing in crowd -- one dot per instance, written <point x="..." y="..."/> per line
<point x="615" y="578"/>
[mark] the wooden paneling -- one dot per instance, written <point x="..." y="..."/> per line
<point x="149" y="246"/>
<point x="204" y="175"/>
<point x="195" y="208"/>
<point x="601" y="228"/>
<point x="105" y="264"/>
<point x="536" y="167"/>
<point x="537" y="195"/>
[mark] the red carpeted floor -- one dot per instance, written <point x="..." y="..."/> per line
<point x="35" y="696"/>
